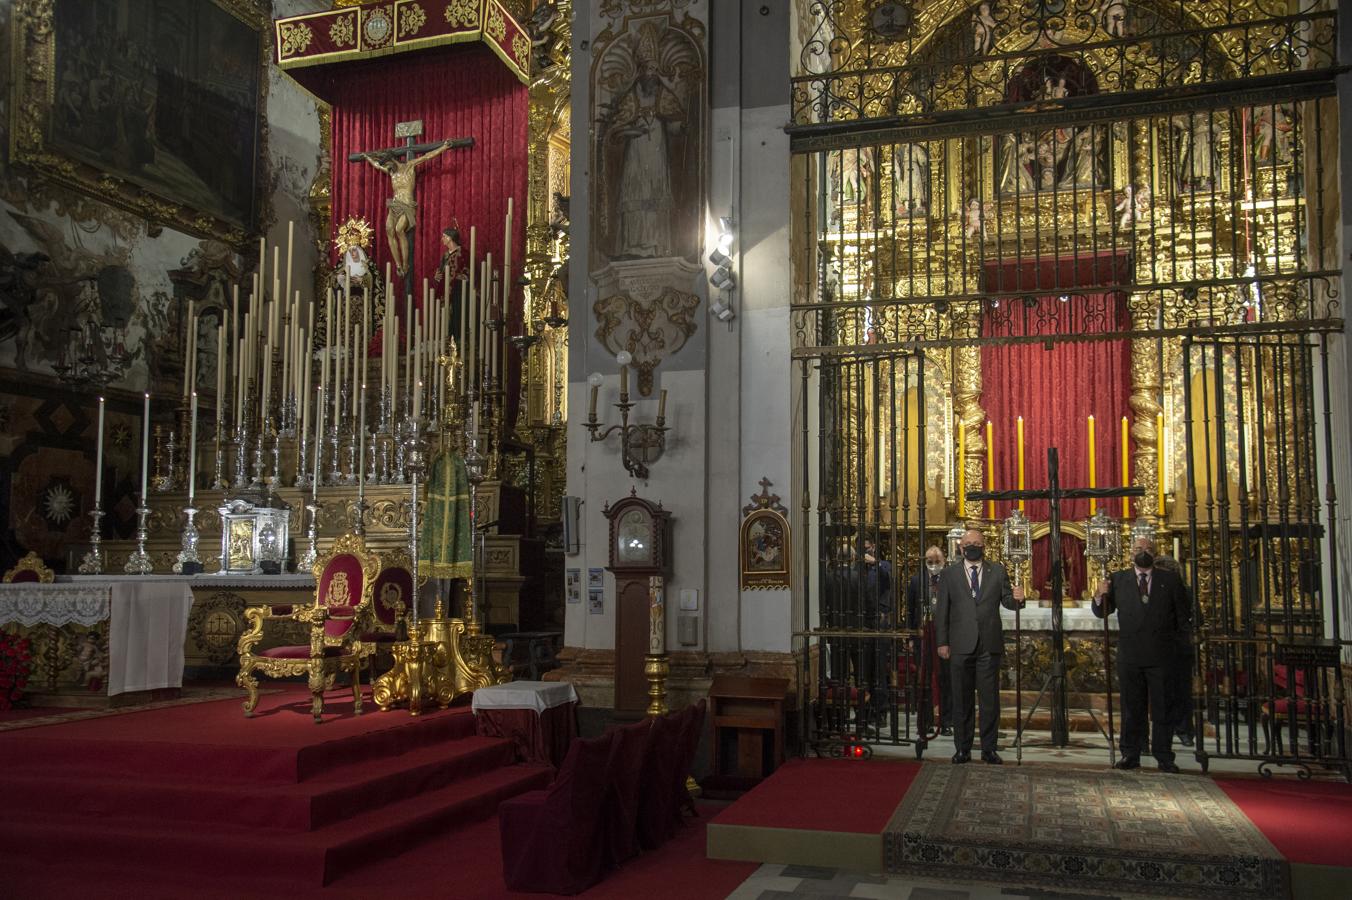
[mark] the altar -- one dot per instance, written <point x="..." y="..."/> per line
<point x="1083" y="632"/>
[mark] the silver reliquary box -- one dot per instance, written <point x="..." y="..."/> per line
<point x="254" y="538"/>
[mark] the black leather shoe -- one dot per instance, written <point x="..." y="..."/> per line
<point x="960" y="758"/>
<point x="1186" y="740"/>
<point x="991" y="758"/>
<point x="1128" y="762"/>
<point x="1169" y="767"/>
<point x="946" y="730"/>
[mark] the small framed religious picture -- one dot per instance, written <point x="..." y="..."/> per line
<point x="765" y="550"/>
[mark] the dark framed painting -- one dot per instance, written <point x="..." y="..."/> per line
<point x="156" y="106"/>
<point x="765" y="550"/>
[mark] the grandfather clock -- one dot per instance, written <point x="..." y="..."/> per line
<point x="639" y="548"/>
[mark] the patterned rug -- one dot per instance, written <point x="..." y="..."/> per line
<point x="189" y="696"/>
<point x="1143" y="833"/>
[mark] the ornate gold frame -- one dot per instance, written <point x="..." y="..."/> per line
<point x="33" y="95"/>
<point x="765" y="579"/>
<point x="30" y="562"/>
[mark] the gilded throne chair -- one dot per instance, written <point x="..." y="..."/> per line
<point x="338" y="619"/>
<point x="391" y="596"/>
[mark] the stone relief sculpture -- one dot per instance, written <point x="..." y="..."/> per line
<point x="649" y="80"/>
<point x="649" y="85"/>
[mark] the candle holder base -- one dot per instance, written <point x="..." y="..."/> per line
<point x="655" y="670"/>
<point x="92" y="562"/>
<point x="188" y="562"/>
<point x="138" y="563"/>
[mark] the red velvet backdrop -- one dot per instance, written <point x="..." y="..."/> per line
<point x="457" y="91"/>
<point x="1056" y="390"/>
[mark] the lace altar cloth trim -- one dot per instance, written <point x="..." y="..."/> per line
<point x="55" y="604"/>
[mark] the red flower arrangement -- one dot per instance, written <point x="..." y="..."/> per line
<point x="16" y="663"/>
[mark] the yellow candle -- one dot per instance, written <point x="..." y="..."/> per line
<point x="1093" y="476"/>
<point x="990" y="467"/>
<point x="962" y="470"/>
<point x="1159" y="460"/>
<point x="1020" y="444"/>
<point x="1126" y="468"/>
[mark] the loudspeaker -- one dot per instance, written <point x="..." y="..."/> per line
<point x="572" y="539"/>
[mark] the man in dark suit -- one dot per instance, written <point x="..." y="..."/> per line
<point x="1154" y="621"/>
<point x="970" y="636"/>
<point x="921" y="595"/>
<point x="1179" y="680"/>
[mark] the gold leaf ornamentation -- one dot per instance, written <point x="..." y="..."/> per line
<point x="495" y="26"/>
<point x="343" y="31"/>
<point x="462" y="13"/>
<point x="411" y="20"/>
<point x="296" y="38"/>
<point x="521" y="50"/>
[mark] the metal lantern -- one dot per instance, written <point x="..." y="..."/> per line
<point x="1102" y="540"/>
<point x="1018" y="534"/>
<point x="253" y="537"/>
<point x="1142" y="529"/>
<point x="955" y="540"/>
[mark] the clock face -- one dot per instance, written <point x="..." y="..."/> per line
<point x="634" y="538"/>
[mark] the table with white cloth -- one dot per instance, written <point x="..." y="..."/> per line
<point x="101" y="636"/>
<point x="538" y="717"/>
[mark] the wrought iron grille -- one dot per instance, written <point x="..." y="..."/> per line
<point x="1166" y="181"/>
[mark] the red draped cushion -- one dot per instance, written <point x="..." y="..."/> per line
<point x="622" y="791"/>
<point x="300" y="651"/>
<point x="25" y="576"/>
<point x="393" y="585"/>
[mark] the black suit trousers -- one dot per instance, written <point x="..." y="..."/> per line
<point x="971" y="674"/>
<point x="1144" y="686"/>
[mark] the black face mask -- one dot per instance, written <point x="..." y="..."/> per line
<point x="972" y="552"/>
<point x="1144" y="559"/>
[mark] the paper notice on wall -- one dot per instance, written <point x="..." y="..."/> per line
<point x="573" y="585"/>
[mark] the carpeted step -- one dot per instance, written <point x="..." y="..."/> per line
<point x="247" y="753"/>
<point x="310" y="858"/>
<point x="330" y="797"/>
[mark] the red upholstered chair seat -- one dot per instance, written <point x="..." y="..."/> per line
<point x="552" y="841"/>
<point x="301" y="651"/>
<point x="25" y="576"/>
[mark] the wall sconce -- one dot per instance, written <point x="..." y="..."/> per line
<point x="722" y="277"/>
<point x="640" y="445"/>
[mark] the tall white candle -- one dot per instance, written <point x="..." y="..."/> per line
<point x="98" y="461"/>
<point x="361" y="439"/>
<point x="187" y="349"/>
<point x="145" y="450"/>
<point x="319" y="440"/>
<point x="220" y="374"/>
<point x="290" y="247"/>
<point x="192" y="450"/>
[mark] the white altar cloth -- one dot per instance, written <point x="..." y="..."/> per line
<point x="147" y="622"/>
<point x="1039" y="618"/>
<point x="536" y="695"/>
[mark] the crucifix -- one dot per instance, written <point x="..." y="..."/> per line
<point x="401" y="216"/>
<point x="1054" y="685"/>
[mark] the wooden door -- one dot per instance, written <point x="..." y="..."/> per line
<point x="631" y="641"/>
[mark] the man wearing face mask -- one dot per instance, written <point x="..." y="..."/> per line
<point x="1154" y="620"/>
<point x="921" y="595"/>
<point x="970" y="636"/>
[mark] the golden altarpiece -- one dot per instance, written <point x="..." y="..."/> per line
<point x="1011" y="217"/>
<point x="521" y="469"/>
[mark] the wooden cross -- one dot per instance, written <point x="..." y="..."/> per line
<point x="1054" y="494"/>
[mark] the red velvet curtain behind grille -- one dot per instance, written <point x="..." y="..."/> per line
<point x="457" y="91"/>
<point x="1057" y="389"/>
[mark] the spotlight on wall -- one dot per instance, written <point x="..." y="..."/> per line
<point x="721" y="311"/>
<point x="722" y="277"/>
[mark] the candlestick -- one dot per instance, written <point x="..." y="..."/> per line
<point x="98" y="460"/>
<point x="960" y="482"/>
<point x="187" y="349"/>
<point x="624" y="383"/>
<point x="1126" y="467"/>
<point x="1020" y="450"/>
<point x="1159" y="460"/>
<point x="990" y="466"/>
<point x="662" y="404"/>
<point x="591" y="407"/>
<point x="1093" y="470"/>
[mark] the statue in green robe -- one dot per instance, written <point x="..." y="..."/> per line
<point x="446" y="545"/>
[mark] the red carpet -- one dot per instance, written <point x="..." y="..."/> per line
<point x="825" y="795"/>
<point x="1307" y="821"/>
<point x="205" y="792"/>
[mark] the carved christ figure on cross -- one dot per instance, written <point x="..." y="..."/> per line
<point x="402" y="208"/>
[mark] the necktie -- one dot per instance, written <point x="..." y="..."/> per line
<point x="1145" y="588"/>
<point x="976" y="581"/>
